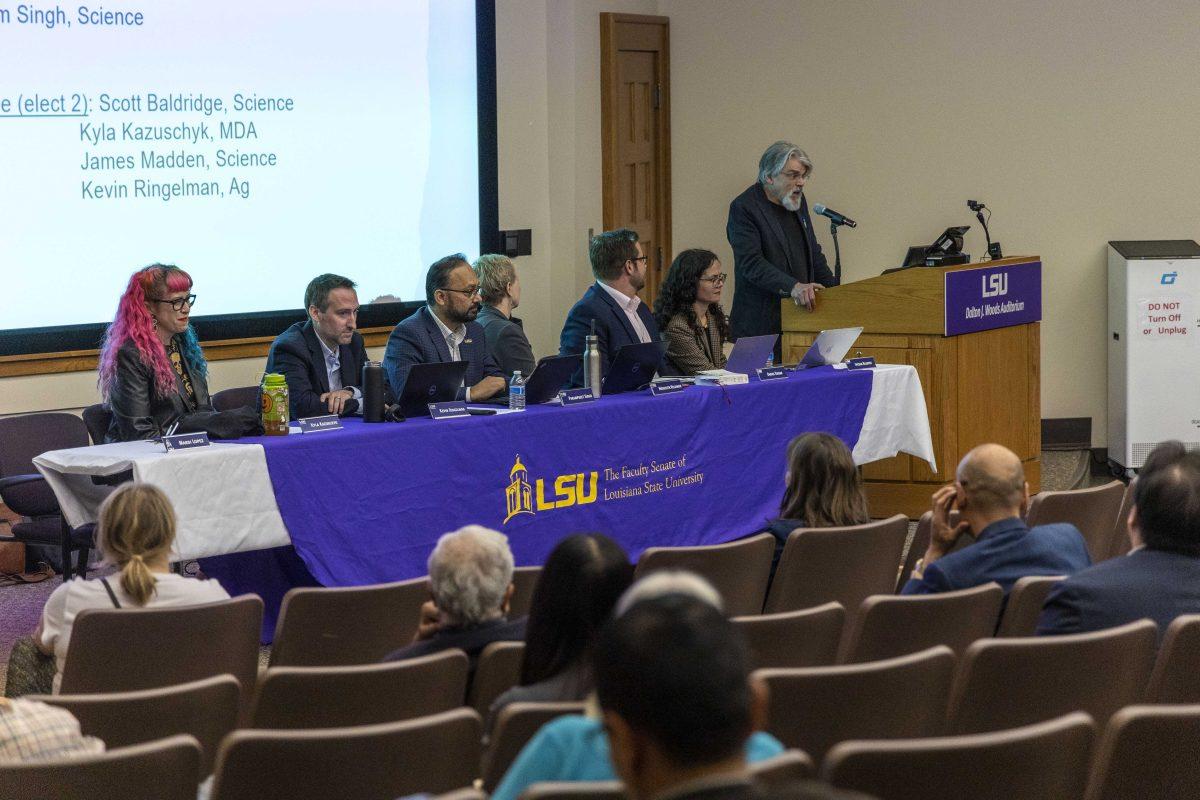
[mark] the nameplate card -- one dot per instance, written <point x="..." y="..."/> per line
<point x="185" y="441"/>
<point x="666" y="387"/>
<point x="867" y="362"/>
<point x="771" y="373"/>
<point x="573" y="397"/>
<point x="449" y="409"/>
<point x="328" y="422"/>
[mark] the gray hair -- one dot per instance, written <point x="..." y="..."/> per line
<point x="669" y="581"/>
<point x="775" y="158"/>
<point x="495" y="273"/>
<point x="469" y="572"/>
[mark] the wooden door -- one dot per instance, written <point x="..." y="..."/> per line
<point x="635" y="141"/>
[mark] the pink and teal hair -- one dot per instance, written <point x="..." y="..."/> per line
<point x="134" y="323"/>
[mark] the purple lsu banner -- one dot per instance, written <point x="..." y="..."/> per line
<point x="993" y="297"/>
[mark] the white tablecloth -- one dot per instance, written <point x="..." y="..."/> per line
<point x="897" y="420"/>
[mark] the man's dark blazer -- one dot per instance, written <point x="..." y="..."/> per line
<point x="763" y="272"/>
<point x="299" y="357"/>
<point x="1154" y="584"/>
<point x="417" y="339"/>
<point x="137" y="410"/>
<point x="506" y="342"/>
<point x="613" y="329"/>
<point x="1005" y="552"/>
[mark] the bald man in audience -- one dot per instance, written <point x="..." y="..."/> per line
<point x="991" y="496"/>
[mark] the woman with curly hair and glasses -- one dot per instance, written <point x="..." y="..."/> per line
<point x="151" y="369"/>
<point x="688" y="311"/>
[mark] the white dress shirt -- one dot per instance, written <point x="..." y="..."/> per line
<point x="453" y="340"/>
<point x="630" y="306"/>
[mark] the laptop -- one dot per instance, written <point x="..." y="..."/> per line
<point x="634" y="367"/>
<point x="830" y="346"/>
<point x="551" y="374"/>
<point x="430" y="383"/>
<point x="751" y="353"/>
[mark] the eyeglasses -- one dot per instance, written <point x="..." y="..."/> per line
<point x="471" y="292"/>
<point x="718" y="278"/>
<point x="178" y="303"/>
<point x="640" y="258"/>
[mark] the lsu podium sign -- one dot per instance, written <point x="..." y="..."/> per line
<point x="983" y="298"/>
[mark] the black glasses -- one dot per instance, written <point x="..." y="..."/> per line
<point x="718" y="278"/>
<point x="640" y="258"/>
<point x="177" y="303"/>
<point x="467" y="292"/>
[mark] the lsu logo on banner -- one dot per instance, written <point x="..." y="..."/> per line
<point x="520" y="497"/>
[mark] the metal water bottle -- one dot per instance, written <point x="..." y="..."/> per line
<point x="591" y="363"/>
<point x="372" y="392"/>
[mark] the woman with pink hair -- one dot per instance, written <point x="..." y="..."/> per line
<point x="152" y="371"/>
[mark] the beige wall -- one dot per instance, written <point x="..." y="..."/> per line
<point x="1077" y="122"/>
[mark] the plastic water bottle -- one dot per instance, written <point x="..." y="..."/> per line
<point x="771" y="360"/>
<point x="516" y="392"/>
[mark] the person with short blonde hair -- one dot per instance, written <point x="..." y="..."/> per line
<point x="500" y="290"/>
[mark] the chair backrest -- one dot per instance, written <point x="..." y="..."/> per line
<point x="29" y="435"/>
<point x="575" y="790"/>
<point x="524" y="582"/>
<point x="432" y="754"/>
<point x="123" y="650"/>
<point x="498" y="670"/>
<point x="1120" y="536"/>
<point x="97" y="418"/>
<point x="816" y="707"/>
<point x="1175" y="676"/>
<point x="738" y="570"/>
<point x="339" y="626"/>
<point x="162" y="770"/>
<point x="1025" y="601"/>
<point x="888" y="625"/>
<point x="1005" y="683"/>
<point x="291" y="698"/>
<point x="1148" y="751"/>
<point x="844" y="565"/>
<point x="229" y="399"/>
<point x="787" y="767"/>
<point x="1093" y="511"/>
<point x="1048" y="761"/>
<point x="916" y="548"/>
<point x="515" y="726"/>
<point x="205" y="709"/>
<point x="805" y="638"/>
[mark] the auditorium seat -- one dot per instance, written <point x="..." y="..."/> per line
<point x="1024" y="607"/>
<point x="1004" y="683"/>
<point x="1148" y="752"/>
<point x="524" y="582"/>
<point x="290" y="698"/>
<point x="1093" y="511"/>
<point x="1120" y="536"/>
<point x="514" y="727"/>
<point x="161" y="770"/>
<point x="844" y="565"/>
<point x="920" y="544"/>
<point x="123" y="650"/>
<point x="206" y="710"/>
<point x="889" y="625"/>
<point x="787" y="767"/>
<point x="428" y="755"/>
<point x="241" y="397"/>
<point x="498" y="670"/>
<point x="339" y="626"/>
<point x="816" y="707"/>
<point x="1047" y="761"/>
<point x="805" y="638"/>
<point x="738" y="569"/>
<point x="1176" y="675"/>
<point x="575" y="790"/>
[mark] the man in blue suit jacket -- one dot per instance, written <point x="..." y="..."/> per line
<point x="991" y="495"/>
<point x="445" y="330"/>
<point x="1160" y="578"/>
<point x="611" y="302"/>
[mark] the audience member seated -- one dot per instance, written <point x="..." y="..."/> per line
<point x="611" y="304"/>
<point x="470" y="578"/>
<point x="688" y="312"/>
<point x="1160" y="578"/>
<point x="445" y="330"/>
<point x="135" y="534"/>
<point x="33" y="731"/>
<point x="575" y="748"/>
<point x="152" y="371"/>
<point x="581" y="581"/>
<point x="991" y="495"/>
<point x="500" y="290"/>
<point x="323" y="356"/>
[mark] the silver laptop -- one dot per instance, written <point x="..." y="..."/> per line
<point x="830" y="346"/>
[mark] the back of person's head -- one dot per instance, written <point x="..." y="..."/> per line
<point x="824" y="489"/>
<point x="664" y="582"/>
<point x="675" y="672"/>
<point x="993" y="480"/>
<point x="608" y="252"/>
<point x="470" y="571"/>
<point x="1167" y="499"/>
<point x="495" y="273"/>
<point x="137" y="525"/>
<point x="580" y="583"/>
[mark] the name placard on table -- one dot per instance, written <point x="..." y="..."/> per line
<point x="866" y="362"/>
<point x="449" y="409"/>
<point x="771" y="373"/>
<point x="666" y="387"/>
<point x="573" y="397"/>
<point x="185" y="441"/>
<point x="327" y="422"/>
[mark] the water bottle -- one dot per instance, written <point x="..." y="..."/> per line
<point x="274" y="404"/>
<point x="591" y="365"/>
<point x="516" y="392"/>
<point x="372" y="392"/>
<point x="771" y="360"/>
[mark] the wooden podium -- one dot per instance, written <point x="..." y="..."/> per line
<point x="979" y="387"/>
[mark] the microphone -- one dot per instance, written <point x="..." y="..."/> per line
<point x="838" y="219"/>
